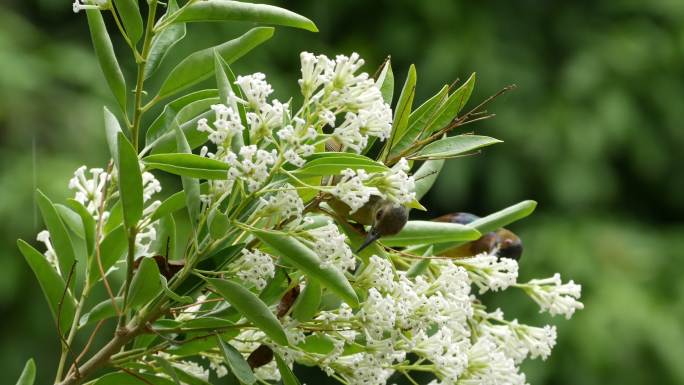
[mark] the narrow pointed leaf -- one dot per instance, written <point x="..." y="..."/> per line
<point x="251" y="307"/>
<point x="130" y="182"/>
<point x="402" y="110"/>
<point x="191" y="165"/>
<point x="303" y="258"/>
<point x="121" y="378"/>
<point x="224" y="10"/>
<point x="58" y="233"/>
<point x="190" y="185"/>
<point x="450" y="109"/>
<point x="426" y="232"/>
<point x="88" y="223"/>
<point x="426" y="175"/>
<point x="162" y="124"/>
<point x="129" y="12"/>
<point x="71" y="220"/>
<point x="199" y="65"/>
<point x="332" y="163"/>
<point x="306" y="305"/>
<point x="28" y="375"/>
<point x="225" y="81"/>
<point x="164" y="41"/>
<point x="419" y="120"/>
<point x="102" y="310"/>
<point x="285" y="372"/>
<point x="454" y="146"/>
<point x="106" y="57"/>
<point x="51" y="284"/>
<point x="236" y="362"/>
<point x="168" y="369"/>
<point x="145" y="284"/>
<point x="112" y="130"/>
<point x="385" y="82"/>
<point x="112" y="248"/>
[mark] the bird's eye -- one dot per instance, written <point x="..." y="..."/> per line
<point x="378" y="215"/>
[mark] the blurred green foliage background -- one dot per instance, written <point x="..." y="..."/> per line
<point x="593" y="132"/>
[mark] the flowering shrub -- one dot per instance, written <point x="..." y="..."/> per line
<point x="273" y="268"/>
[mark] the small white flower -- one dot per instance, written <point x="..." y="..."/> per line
<point x="255" y="89"/>
<point x="80" y="5"/>
<point x="50" y="255"/>
<point x="331" y="247"/>
<point x="552" y="295"/>
<point x="253" y="169"/>
<point x="351" y="190"/>
<point x="395" y="184"/>
<point x="316" y="71"/>
<point x="255" y="267"/>
<point x="226" y="125"/>
<point x="349" y="134"/>
<point x="487" y="364"/>
<point x="89" y="190"/>
<point x="490" y="272"/>
<point x="284" y="204"/>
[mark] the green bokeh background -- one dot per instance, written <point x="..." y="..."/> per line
<point x="593" y="133"/>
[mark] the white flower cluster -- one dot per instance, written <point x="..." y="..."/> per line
<point x="552" y="295"/>
<point x="489" y="272"/>
<point x="255" y="267"/>
<point x="283" y="204"/>
<point x="89" y="190"/>
<point x="331" y="88"/>
<point x="331" y="247"/>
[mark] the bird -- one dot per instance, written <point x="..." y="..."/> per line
<point x="503" y="242"/>
<point x="382" y="215"/>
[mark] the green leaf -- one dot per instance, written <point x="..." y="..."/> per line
<point x="426" y="232"/>
<point x="130" y="182"/>
<point x="402" y="111"/>
<point x="145" y="284"/>
<point x="454" y="146"/>
<point x="285" y="372"/>
<point x="71" y="220"/>
<point x="112" y="248"/>
<point x="164" y="41"/>
<point x="28" y="375"/>
<point x="88" y="223"/>
<point x="121" y="378"/>
<point x="419" y="120"/>
<point x="236" y="362"/>
<point x="426" y="175"/>
<point x="51" y="284"/>
<point x="162" y="126"/>
<point x="223" y="10"/>
<point x="168" y="369"/>
<point x="102" y="310"/>
<point x="190" y="165"/>
<point x="129" y="12"/>
<point x="307" y="303"/>
<point x="385" y="82"/>
<point x="105" y="55"/>
<point x="332" y="163"/>
<point x="173" y="295"/>
<point x="495" y="221"/>
<point x="165" y="241"/>
<point x="218" y="223"/>
<point x="58" y="233"/>
<point x="115" y="217"/>
<point x="199" y="65"/>
<point x="303" y="258"/>
<point x="450" y="109"/>
<point x="251" y="307"/>
<point x="190" y="185"/>
<point x="170" y="205"/>
<point x="112" y="130"/>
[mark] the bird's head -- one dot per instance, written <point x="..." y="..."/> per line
<point x="388" y="219"/>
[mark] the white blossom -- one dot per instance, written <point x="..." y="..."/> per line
<point x="227" y="124"/>
<point x="50" y="255"/>
<point x="253" y="168"/>
<point x="283" y="204"/>
<point x="80" y="5"/>
<point x="316" y="71"/>
<point x="395" y="184"/>
<point x="331" y="247"/>
<point x="488" y="365"/>
<point x="255" y="89"/>
<point x="490" y="272"/>
<point x="255" y="267"/>
<point x="552" y="295"/>
<point x="351" y="190"/>
<point x="89" y="190"/>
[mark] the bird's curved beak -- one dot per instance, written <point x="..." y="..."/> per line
<point x="372" y="236"/>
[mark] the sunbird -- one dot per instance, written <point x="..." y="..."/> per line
<point x="382" y="215"/>
<point x="502" y="241"/>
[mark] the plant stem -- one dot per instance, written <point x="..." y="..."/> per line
<point x="135" y="127"/>
<point x="72" y="333"/>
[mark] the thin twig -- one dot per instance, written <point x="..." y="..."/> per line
<point x="91" y="338"/>
<point x="98" y="234"/>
